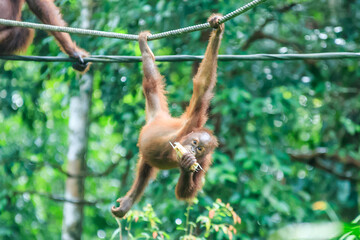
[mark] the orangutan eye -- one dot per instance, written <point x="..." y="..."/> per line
<point x="200" y="149"/>
<point x="194" y="142"/>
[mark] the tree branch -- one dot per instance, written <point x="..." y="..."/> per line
<point x="286" y="8"/>
<point x="106" y="172"/>
<point x="59" y="198"/>
<point x="318" y="158"/>
<point x="258" y="34"/>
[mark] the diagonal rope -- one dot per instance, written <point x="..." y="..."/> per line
<point x="198" y="27"/>
<point x="179" y="58"/>
<point x="203" y="26"/>
<point x="47" y="27"/>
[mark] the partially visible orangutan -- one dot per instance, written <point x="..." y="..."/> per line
<point x="17" y="39"/>
<point x="188" y="130"/>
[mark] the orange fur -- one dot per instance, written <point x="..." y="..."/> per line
<point x="15" y="39"/>
<point x="160" y="128"/>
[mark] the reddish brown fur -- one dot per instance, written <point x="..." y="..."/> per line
<point x="160" y="128"/>
<point x="15" y="39"/>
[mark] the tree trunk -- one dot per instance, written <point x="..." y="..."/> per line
<point x="78" y="140"/>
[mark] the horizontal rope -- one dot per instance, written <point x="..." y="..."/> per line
<point x="180" y="58"/>
<point x="198" y="27"/>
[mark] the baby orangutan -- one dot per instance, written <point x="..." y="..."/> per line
<point x="160" y="128"/>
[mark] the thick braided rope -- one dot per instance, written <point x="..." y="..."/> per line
<point x="198" y="27"/>
<point x="203" y="26"/>
<point x="178" y="58"/>
<point x="240" y="10"/>
<point x="47" y="27"/>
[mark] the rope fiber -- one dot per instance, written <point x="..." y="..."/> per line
<point x="46" y="27"/>
<point x="173" y="58"/>
<point x="179" y="58"/>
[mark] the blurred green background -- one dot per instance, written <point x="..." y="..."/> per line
<point x="261" y="112"/>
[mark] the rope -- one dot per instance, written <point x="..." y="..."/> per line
<point x="203" y="26"/>
<point x="48" y="27"/>
<point x="198" y="27"/>
<point x="179" y="58"/>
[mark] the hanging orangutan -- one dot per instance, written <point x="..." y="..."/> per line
<point x="188" y="130"/>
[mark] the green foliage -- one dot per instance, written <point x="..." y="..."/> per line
<point x="145" y="220"/>
<point x="220" y="221"/>
<point x="352" y="231"/>
<point x="259" y="111"/>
